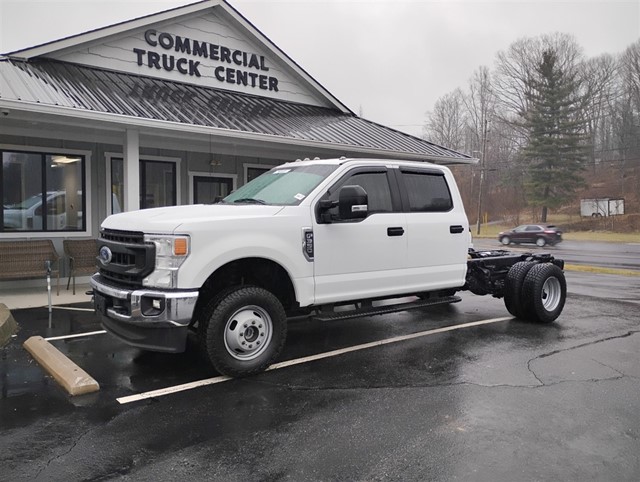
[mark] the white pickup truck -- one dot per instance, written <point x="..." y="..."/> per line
<point x="308" y="237"/>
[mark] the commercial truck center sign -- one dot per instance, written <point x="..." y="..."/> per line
<point x="241" y="69"/>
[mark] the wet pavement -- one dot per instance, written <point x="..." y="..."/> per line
<point x="503" y="401"/>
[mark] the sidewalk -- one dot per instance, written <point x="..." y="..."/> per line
<point x="36" y="297"/>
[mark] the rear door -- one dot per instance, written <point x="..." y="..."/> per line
<point x="438" y="229"/>
<point x="519" y="234"/>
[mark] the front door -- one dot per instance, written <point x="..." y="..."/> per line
<point x="362" y="258"/>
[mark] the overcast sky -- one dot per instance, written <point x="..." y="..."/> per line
<point x="391" y="60"/>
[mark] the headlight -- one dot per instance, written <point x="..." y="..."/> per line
<point x="171" y="251"/>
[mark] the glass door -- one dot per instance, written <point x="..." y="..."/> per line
<point x="208" y="190"/>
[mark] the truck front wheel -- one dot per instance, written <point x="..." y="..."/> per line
<point x="544" y="293"/>
<point x="243" y="330"/>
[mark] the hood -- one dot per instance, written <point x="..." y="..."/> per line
<point x="169" y="219"/>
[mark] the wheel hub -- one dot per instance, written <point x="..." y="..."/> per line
<point x="248" y="332"/>
<point x="551" y="294"/>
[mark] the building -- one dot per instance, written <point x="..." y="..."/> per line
<point x="173" y="108"/>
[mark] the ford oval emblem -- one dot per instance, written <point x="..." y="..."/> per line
<point x="105" y="255"/>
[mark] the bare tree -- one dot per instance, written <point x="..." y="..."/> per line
<point x="446" y="123"/>
<point x="630" y="64"/>
<point x="480" y="105"/>
<point x="600" y="75"/>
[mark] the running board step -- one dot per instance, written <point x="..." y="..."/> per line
<point x="382" y="310"/>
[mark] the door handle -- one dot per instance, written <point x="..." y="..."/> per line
<point x="395" y="231"/>
<point x="456" y="229"/>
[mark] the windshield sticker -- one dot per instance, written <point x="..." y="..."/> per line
<point x="282" y="171"/>
<point x="299" y="196"/>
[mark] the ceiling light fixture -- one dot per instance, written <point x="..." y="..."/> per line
<point x="64" y="159"/>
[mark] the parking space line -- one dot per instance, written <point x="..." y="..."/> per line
<point x="212" y="381"/>
<point x="71" y="308"/>
<point x="77" y="335"/>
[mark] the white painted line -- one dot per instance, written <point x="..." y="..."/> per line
<point x="372" y="344"/>
<point x="177" y="388"/>
<point x="77" y="335"/>
<point x="72" y="308"/>
<point x="212" y="381"/>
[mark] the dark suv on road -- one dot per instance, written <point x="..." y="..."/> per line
<point x="539" y="234"/>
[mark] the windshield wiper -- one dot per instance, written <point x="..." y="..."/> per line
<point x="249" y="200"/>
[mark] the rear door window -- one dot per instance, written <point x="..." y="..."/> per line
<point x="427" y="192"/>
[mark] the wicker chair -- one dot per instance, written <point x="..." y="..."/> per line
<point x="27" y="259"/>
<point x="82" y="255"/>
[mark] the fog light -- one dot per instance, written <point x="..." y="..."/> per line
<point x="152" y="306"/>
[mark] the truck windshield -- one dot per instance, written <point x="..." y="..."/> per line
<point x="282" y="185"/>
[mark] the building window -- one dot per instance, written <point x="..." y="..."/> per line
<point x="252" y="171"/>
<point x="42" y="192"/>
<point x="157" y="184"/>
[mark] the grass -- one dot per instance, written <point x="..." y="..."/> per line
<point x="492" y="230"/>
<point x="600" y="270"/>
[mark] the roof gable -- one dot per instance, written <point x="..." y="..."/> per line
<point x="208" y="43"/>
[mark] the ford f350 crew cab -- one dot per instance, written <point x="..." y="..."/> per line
<point x="307" y="237"/>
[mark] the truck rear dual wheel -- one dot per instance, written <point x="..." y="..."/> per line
<point x="535" y="292"/>
<point x="513" y="288"/>
<point x="544" y="293"/>
<point x="243" y="330"/>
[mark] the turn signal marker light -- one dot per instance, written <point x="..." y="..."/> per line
<point x="180" y="247"/>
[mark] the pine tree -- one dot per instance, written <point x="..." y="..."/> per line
<point x="556" y="150"/>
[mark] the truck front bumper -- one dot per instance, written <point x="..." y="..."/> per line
<point x="146" y="318"/>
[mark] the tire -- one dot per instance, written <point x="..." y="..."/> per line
<point x="541" y="242"/>
<point x="544" y="293"/>
<point x="513" y="288"/>
<point x="505" y="240"/>
<point x="243" y="331"/>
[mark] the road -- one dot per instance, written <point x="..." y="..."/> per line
<point x="501" y="401"/>
<point x="606" y="255"/>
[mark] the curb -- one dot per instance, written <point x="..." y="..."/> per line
<point x="8" y="325"/>
<point x="69" y="375"/>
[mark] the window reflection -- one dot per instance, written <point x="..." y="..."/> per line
<point x="157" y="184"/>
<point x="42" y="192"/>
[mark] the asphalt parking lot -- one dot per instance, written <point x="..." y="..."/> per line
<point x="500" y="400"/>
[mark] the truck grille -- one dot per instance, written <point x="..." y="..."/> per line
<point x="128" y="237"/>
<point x="131" y="258"/>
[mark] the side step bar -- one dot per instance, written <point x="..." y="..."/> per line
<point x="382" y="310"/>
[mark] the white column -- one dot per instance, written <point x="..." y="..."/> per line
<point x="131" y="170"/>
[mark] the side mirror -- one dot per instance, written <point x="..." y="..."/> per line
<point x="352" y="202"/>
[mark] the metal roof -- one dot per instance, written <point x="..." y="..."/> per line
<point x="73" y="86"/>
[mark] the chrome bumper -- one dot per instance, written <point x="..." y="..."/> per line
<point x="136" y="307"/>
